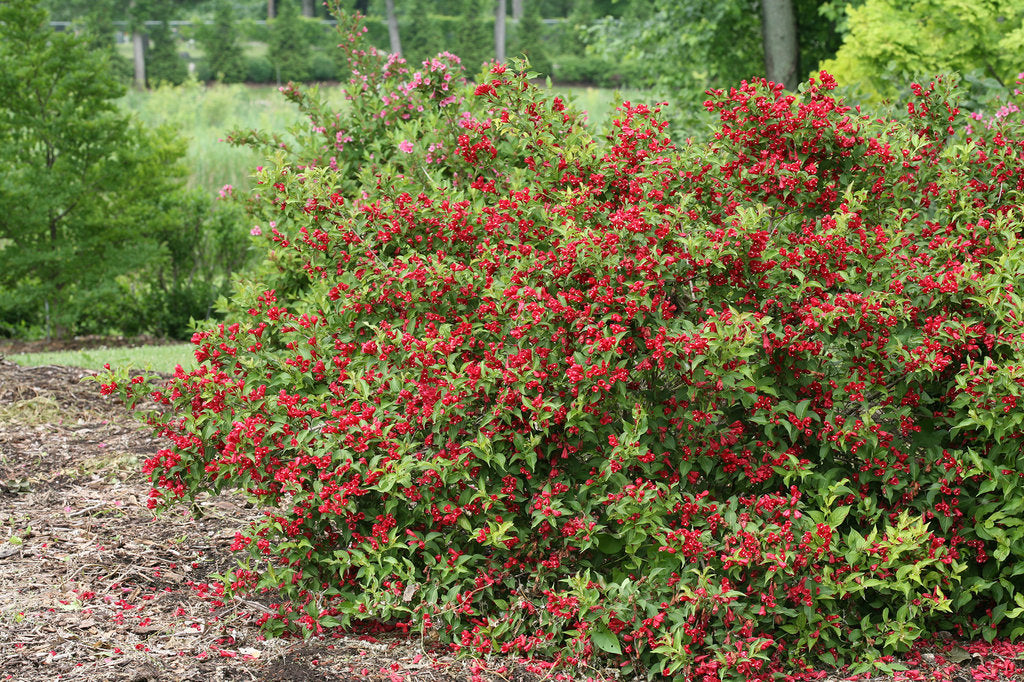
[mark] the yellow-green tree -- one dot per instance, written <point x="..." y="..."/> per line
<point x="893" y="41"/>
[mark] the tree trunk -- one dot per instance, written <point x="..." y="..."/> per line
<point x="138" y="47"/>
<point x="139" y="58"/>
<point x="781" y="49"/>
<point x="307" y="8"/>
<point x="517" y="9"/>
<point x="270" y="10"/>
<point x="396" y="44"/>
<point x="499" y="31"/>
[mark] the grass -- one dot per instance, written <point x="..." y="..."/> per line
<point x="205" y="114"/>
<point x="31" y="412"/>
<point x="156" y="358"/>
<point x="599" y="103"/>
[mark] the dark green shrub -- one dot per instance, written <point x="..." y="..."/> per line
<point x="111" y="307"/>
<point x="471" y="36"/>
<point x="572" y="68"/>
<point x="163" y="63"/>
<point x="591" y="70"/>
<point x="323" y="68"/>
<point x="203" y="72"/>
<point x="169" y="313"/>
<point x="84" y="190"/>
<point x="224" y="57"/>
<point x="288" y="46"/>
<point x="259" y="70"/>
<point x="252" y="31"/>
<point x="376" y="32"/>
<point x="421" y="32"/>
<point x="530" y="41"/>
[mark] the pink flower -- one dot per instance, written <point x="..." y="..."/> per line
<point x="406" y="146"/>
<point x="256" y="231"/>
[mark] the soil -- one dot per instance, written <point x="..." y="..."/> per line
<point x="94" y="587"/>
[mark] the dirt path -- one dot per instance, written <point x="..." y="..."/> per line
<point x="92" y="587"/>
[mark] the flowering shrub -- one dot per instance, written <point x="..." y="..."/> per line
<point x="999" y="112"/>
<point x="726" y="411"/>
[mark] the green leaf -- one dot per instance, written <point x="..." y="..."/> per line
<point x="605" y="640"/>
<point x="838" y="516"/>
<point x="609" y="544"/>
<point x="801" y="408"/>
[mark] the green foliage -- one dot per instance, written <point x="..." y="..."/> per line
<point x="94" y="20"/>
<point x="422" y="37"/>
<point x="221" y="43"/>
<point x="259" y="69"/>
<point x="288" y="47"/>
<point x="163" y="64"/>
<point x="685" y="47"/>
<point x="93" y="216"/>
<point x="322" y="68"/>
<point x="202" y="115"/>
<point x="528" y="40"/>
<point x="592" y="69"/>
<point x="201" y="246"/>
<point x="70" y="163"/>
<point x="469" y="35"/>
<point x="889" y="43"/>
<point x="376" y="31"/>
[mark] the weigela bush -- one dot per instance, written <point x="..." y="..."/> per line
<point x="732" y="410"/>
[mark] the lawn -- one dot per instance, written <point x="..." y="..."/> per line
<point x="157" y="358"/>
<point x="206" y="114"/>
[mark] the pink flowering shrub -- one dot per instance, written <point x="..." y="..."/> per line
<point x="733" y="410"/>
<point x="1001" y="112"/>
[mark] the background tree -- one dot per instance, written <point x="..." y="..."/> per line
<point x="164" y="64"/>
<point x="476" y="42"/>
<point x="94" y="19"/>
<point x="529" y="37"/>
<point x="893" y="42"/>
<point x="139" y="40"/>
<point x="222" y="46"/>
<point x="85" y="192"/>
<point x="422" y="37"/>
<point x="688" y="47"/>
<point x="779" y="39"/>
<point x="393" y="36"/>
<point x="499" y="30"/>
<point x="288" y="47"/>
<point x="148" y="41"/>
<point x="685" y="46"/>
